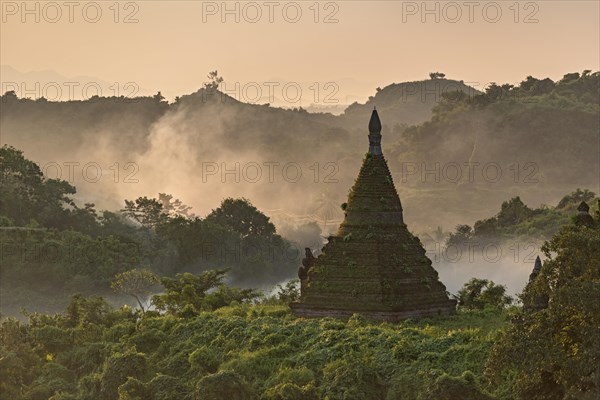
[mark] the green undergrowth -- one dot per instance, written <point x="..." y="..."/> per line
<point x="245" y="352"/>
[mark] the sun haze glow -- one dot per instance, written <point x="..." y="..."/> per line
<point x="358" y="45"/>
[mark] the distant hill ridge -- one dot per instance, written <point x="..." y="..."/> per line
<point x="542" y="134"/>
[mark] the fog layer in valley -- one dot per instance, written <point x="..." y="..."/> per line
<point x="297" y="167"/>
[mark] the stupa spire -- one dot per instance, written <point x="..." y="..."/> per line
<point x="375" y="134"/>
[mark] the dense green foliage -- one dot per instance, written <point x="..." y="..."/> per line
<point x="51" y="248"/>
<point x="204" y="339"/>
<point x="479" y="293"/>
<point x="517" y="221"/>
<point x="538" y="139"/>
<point x="516" y="127"/>
<point x="202" y="343"/>
<point x="190" y="294"/>
<point x="551" y="350"/>
<point x="26" y="194"/>
<point x="242" y="352"/>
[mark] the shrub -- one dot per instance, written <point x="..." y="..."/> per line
<point x="222" y="385"/>
<point x="205" y="360"/>
<point x="463" y="387"/>
<point x="133" y="389"/>
<point x="118" y="368"/>
<point x="478" y="293"/>
<point x="291" y="391"/>
<point x="352" y="379"/>
<point x="165" y="387"/>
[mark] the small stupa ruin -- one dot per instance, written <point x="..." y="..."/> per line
<point x="373" y="265"/>
<point x="583" y="216"/>
<point x="537" y="267"/>
<point x="535" y="301"/>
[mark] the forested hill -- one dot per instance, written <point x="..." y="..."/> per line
<point x="406" y="103"/>
<point x="553" y="125"/>
<point x="537" y="140"/>
<point x="51" y="248"/>
<point x="540" y="136"/>
<point x="128" y="121"/>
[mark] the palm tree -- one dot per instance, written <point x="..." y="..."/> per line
<point x="326" y="207"/>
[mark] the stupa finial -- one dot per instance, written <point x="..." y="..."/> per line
<point x="375" y="134"/>
<point x="374" y="122"/>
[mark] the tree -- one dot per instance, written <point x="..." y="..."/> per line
<point x="137" y="283"/>
<point x="290" y="292"/>
<point x="26" y="194"/>
<point x="573" y="76"/>
<point x="85" y="311"/>
<point x="535" y="87"/>
<point x="190" y="294"/>
<point x="120" y="367"/>
<point x="478" y="293"/>
<point x="512" y="212"/>
<point x="241" y="216"/>
<point x="158" y="97"/>
<point x="463" y="234"/>
<point x="148" y="212"/>
<point x="486" y="228"/>
<point x="327" y="207"/>
<point x="437" y="75"/>
<point x="553" y="350"/>
<point x="214" y="81"/>
<point x="174" y="207"/>
<point x="576" y="198"/>
<point x="10" y="95"/>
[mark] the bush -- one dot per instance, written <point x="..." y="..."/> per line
<point x="165" y="387"/>
<point x="54" y="379"/>
<point x="352" y="379"/>
<point x="52" y="338"/>
<point x="463" y="387"/>
<point x="222" y="385"/>
<point x="133" y="389"/>
<point x="205" y="360"/>
<point x="478" y="293"/>
<point x="118" y="368"/>
<point x="291" y="391"/>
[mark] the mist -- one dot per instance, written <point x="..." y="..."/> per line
<point x="297" y="167"/>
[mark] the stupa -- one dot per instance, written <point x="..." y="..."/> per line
<point x="373" y="265"/>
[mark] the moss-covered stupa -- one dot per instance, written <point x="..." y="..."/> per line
<point x="373" y="266"/>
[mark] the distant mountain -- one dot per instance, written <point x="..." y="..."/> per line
<point x="57" y="87"/>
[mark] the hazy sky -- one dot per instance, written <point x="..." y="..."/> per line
<point x="366" y="44"/>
